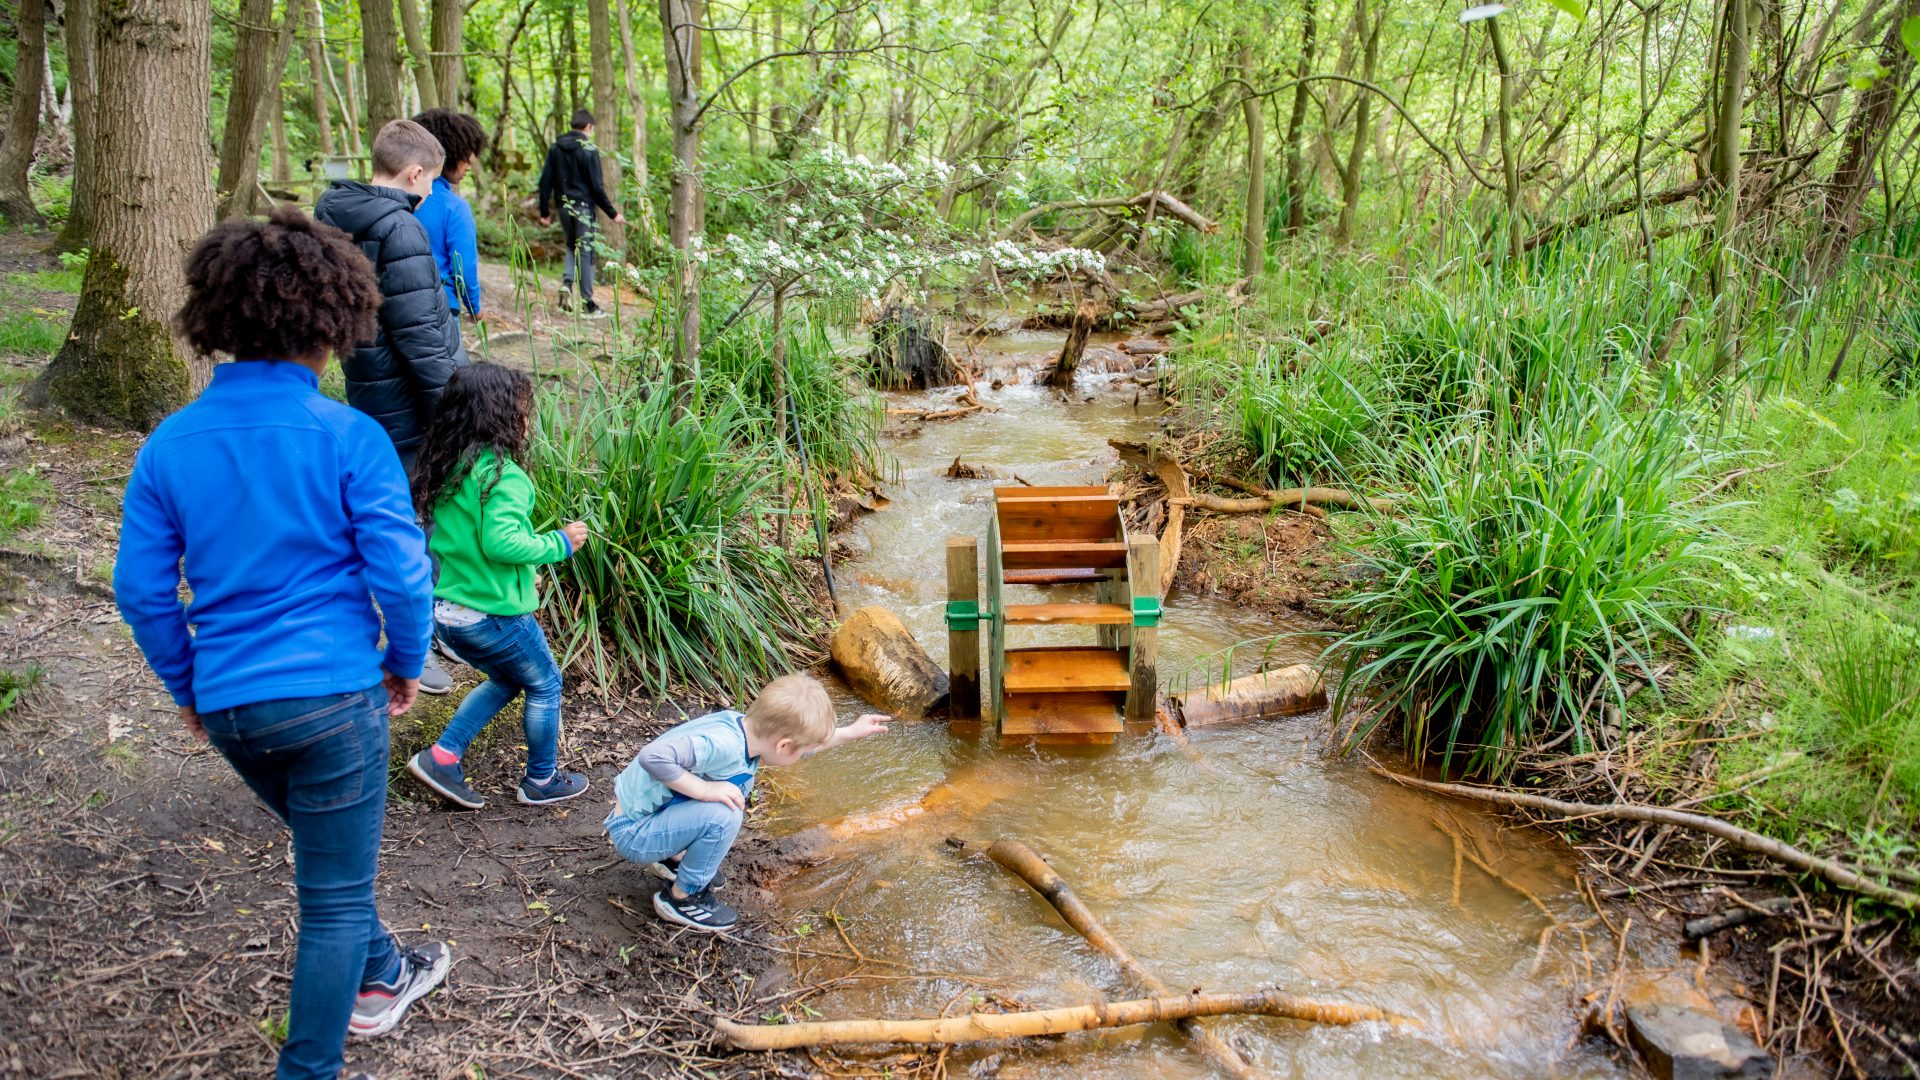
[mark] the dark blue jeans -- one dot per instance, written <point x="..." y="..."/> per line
<point x="511" y="651"/>
<point x="321" y="765"/>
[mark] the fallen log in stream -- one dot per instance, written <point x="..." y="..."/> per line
<point x="1024" y="862"/>
<point x="979" y="1027"/>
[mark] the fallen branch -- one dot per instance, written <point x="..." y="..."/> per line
<point x="1695" y="929"/>
<point x="1834" y="873"/>
<point x="978" y="1027"/>
<point x="1032" y="869"/>
<point x="1263" y="500"/>
<point x="1166" y="204"/>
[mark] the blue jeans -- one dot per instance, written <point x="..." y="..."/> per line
<point x="511" y="651"/>
<point x="703" y="830"/>
<point x="321" y="765"/>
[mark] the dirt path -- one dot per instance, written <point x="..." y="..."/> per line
<point x="147" y="915"/>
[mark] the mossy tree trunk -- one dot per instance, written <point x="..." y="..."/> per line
<point x="1296" y="121"/>
<point x="23" y="120"/>
<point x="260" y="57"/>
<point x="319" y="70"/>
<point x="121" y="364"/>
<point x="418" y="56"/>
<point x="1253" y="232"/>
<point x="80" y="76"/>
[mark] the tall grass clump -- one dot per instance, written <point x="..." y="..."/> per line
<point x="1869" y="673"/>
<point x="838" y="420"/>
<point x="1523" y="571"/>
<point x="677" y="587"/>
<point x="1301" y="423"/>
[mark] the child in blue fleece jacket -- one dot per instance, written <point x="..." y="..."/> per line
<point x="293" y="517"/>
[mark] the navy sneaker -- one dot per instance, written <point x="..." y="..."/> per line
<point x="447" y="781"/>
<point x="701" y="911"/>
<point x="380" y="1006"/>
<point x="668" y="870"/>
<point x="559" y="787"/>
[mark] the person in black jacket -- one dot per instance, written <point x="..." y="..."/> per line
<point x="572" y="175"/>
<point x="397" y="377"/>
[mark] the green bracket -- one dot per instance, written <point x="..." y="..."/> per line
<point x="1146" y="611"/>
<point x="964" y="615"/>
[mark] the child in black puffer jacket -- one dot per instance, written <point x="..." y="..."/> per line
<point x="397" y="377"/>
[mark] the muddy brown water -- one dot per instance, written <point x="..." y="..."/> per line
<point x="1256" y="860"/>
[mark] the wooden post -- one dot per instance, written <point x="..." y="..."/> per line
<point x="1143" y="581"/>
<point x="963" y="645"/>
<point x="996" y="625"/>
<point x="1071" y="350"/>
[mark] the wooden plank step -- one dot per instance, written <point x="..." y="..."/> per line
<point x="1048" y="492"/>
<point x="1078" y="575"/>
<point x="1047" y="555"/>
<point x="1063" y="517"/>
<point x="1070" y="614"/>
<point x="1081" y="713"/>
<point x="1066" y="671"/>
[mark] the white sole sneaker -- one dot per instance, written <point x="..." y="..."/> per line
<point x="418" y="987"/>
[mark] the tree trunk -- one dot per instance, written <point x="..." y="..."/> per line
<point x="350" y="108"/>
<point x="23" y="121"/>
<point x="417" y="55"/>
<point x="1509" y="159"/>
<point x="1369" y="25"/>
<point x="1866" y="137"/>
<point x="1253" y="232"/>
<point x="121" y="363"/>
<point x="1726" y="171"/>
<point x="448" y="43"/>
<point x="282" y="167"/>
<point x="570" y="50"/>
<point x="381" y="41"/>
<point x="637" y="131"/>
<point x="606" y="112"/>
<point x="680" y="22"/>
<point x="80" y="88"/>
<point x="260" y="55"/>
<point x="319" y="72"/>
<point x="780" y="433"/>
<point x="1296" y="171"/>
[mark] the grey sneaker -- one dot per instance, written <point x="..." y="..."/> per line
<point x="380" y="1006"/>
<point x="447" y="781"/>
<point x="434" y="678"/>
<point x="668" y="870"/>
<point x="701" y="911"/>
<point x="559" y="787"/>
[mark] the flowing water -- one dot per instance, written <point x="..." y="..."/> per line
<point x="1249" y="859"/>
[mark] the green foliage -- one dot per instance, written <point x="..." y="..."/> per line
<point x="15" y="684"/>
<point x="52" y="194"/>
<point x="1522" y="573"/>
<point x="31" y="334"/>
<point x="1870" y="672"/>
<point x="678" y="587"/>
<point x="839" y="421"/>
<point x="24" y="495"/>
<point x="1301" y="424"/>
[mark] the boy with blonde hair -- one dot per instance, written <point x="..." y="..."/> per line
<point x="679" y="805"/>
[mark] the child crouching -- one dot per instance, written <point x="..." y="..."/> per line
<point x="678" y="807"/>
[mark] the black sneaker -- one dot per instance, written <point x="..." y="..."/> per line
<point x="593" y="311"/>
<point x="380" y="1006"/>
<point x="668" y="870"/>
<point x="701" y="911"/>
<point x="559" y="787"/>
<point x="447" y="781"/>
<point x="434" y="678"/>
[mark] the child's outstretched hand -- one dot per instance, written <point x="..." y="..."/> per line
<point x="870" y="724"/>
<point x="576" y="534"/>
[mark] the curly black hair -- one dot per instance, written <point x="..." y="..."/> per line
<point x="484" y="407"/>
<point x="460" y="134"/>
<point x="286" y="288"/>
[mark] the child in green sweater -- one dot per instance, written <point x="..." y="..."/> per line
<point x="469" y="483"/>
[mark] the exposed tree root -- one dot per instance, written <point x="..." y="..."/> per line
<point x="1834" y="873"/>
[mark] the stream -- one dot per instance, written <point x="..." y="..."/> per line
<point x="1253" y="861"/>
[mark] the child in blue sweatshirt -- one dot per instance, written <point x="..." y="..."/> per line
<point x="447" y="217"/>
<point x="293" y="517"/>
